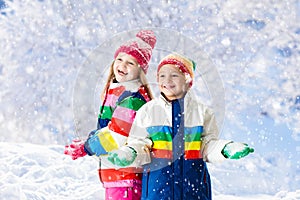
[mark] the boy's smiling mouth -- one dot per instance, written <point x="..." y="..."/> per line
<point x="168" y="87"/>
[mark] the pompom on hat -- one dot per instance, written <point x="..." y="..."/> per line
<point x="185" y="65"/>
<point x="140" y="48"/>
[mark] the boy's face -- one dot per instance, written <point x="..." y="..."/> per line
<point x="172" y="82"/>
<point x="126" y="68"/>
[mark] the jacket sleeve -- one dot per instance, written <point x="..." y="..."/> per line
<point x="124" y="115"/>
<point x="103" y="141"/>
<point x="211" y="144"/>
<point x="115" y="134"/>
<point x="138" y="137"/>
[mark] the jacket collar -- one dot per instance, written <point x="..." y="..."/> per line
<point x="129" y="85"/>
<point x="187" y="98"/>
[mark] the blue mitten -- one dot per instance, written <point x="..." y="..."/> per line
<point x="122" y="157"/>
<point x="100" y="142"/>
<point x="236" y="150"/>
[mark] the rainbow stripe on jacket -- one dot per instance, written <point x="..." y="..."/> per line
<point x="162" y="141"/>
<point x="116" y="117"/>
<point x="121" y="106"/>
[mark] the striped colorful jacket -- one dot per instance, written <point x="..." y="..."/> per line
<point x="115" y="119"/>
<point x="184" y="136"/>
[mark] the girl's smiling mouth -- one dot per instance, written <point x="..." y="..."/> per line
<point x="122" y="73"/>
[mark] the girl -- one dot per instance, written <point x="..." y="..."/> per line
<point x="125" y="92"/>
<point x="183" y="136"/>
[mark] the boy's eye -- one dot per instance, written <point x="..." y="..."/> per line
<point x="119" y="59"/>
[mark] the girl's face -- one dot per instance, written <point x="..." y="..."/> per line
<point x="126" y="68"/>
<point x="172" y="82"/>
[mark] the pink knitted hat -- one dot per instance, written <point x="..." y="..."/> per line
<point x="140" y="48"/>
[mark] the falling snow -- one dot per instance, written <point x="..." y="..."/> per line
<point x="255" y="46"/>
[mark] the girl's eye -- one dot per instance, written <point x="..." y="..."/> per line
<point x="175" y="75"/>
<point x="119" y="59"/>
<point x="131" y="63"/>
<point x="161" y="75"/>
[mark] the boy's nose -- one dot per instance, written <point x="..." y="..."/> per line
<point x="168" y="79"/>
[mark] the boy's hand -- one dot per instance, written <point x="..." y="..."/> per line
<point x="236" y="150"/>
<point x="75" y="149"/>
<point x="122" y="157"/>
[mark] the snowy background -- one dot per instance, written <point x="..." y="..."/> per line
<point x="48" y="48"/>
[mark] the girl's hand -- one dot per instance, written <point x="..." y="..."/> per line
<point x="75" y="149"/>
<point x="236" y="150"/>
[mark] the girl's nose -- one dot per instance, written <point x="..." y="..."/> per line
<point x="122" y="64"/>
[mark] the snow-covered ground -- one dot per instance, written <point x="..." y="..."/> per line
<point x="39" y="172"/>
<point x="44" y="45"/>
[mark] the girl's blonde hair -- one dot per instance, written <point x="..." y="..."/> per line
<point x="111" y="77"/>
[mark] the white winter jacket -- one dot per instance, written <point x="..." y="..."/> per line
<point x="158" y="113"/>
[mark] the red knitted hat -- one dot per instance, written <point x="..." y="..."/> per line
<point x="140" y="48"/>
